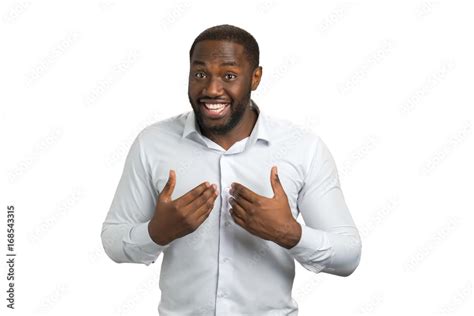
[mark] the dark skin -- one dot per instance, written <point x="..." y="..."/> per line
<point x="267" y="218"/>
<point x="179" y="217"/>
<point x="221" y="73"/>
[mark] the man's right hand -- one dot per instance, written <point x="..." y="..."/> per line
<point x="175" y="219"/>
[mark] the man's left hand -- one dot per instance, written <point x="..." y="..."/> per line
<point x="267" y="218"/>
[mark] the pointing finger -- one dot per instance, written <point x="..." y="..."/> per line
<point x="190" y="196"/>
<point x="239" y="190"/>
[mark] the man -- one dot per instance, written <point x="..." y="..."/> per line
<point x="218" y="190"/>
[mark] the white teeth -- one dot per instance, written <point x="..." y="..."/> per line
<point x="213" y="106"/>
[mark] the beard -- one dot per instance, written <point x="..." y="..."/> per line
<point x="236" y="113"/>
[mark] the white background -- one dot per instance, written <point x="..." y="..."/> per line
<point x="388" y="85"/>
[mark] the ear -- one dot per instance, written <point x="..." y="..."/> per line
<point x="256" y="76"/>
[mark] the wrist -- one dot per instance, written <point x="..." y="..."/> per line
<point x="154" y="234"/>
<point x="290" y="237"/>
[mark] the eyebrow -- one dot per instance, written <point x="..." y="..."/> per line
<point x="226" y="63"/>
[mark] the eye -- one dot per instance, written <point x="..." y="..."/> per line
<point x="199" y="75"/>
<point x="230" y="76"/>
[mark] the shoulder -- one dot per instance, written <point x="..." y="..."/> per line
<point x="170" y="127"/>
<point x="285" y="131"/>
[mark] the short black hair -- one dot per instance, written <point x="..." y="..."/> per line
<point x="226" y="32"/>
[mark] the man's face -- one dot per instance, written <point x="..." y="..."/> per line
<point x="220" y="82"/>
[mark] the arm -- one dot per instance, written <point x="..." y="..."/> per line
<point x="125" y="235"/>
<point x="330" y="241"/>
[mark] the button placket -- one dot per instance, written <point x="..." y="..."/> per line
<point x="226" y="247"/>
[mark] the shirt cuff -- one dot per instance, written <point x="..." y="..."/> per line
<point x="141" y="236"/>
<point x="313" y="250"/>
<point x="138" y="244"/>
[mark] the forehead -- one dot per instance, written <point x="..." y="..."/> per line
<point x="214" y="51"/>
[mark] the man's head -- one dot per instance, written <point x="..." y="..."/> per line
<point x="224" y="69"/>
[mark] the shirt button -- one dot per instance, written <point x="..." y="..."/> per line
<point x="221" y="294"/>
<point x="227" y="224"/>
<point x="224" y="260"/>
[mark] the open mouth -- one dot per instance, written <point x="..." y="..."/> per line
<point x="215" y="109"/>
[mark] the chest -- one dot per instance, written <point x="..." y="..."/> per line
<point x="250" y="168"/>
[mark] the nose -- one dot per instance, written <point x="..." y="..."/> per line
<point x="213" y="88"/>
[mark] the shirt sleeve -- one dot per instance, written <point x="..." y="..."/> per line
<point x="330" y="241"/>
<point x="125" y="235"/>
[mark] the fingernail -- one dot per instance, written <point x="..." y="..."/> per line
<point x="214" y="186"/>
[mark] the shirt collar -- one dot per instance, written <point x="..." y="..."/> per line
<point x="260" y="130"/>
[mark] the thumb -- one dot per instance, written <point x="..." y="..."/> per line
<point x="169" y="187"/>
<point x="275" y="181"/>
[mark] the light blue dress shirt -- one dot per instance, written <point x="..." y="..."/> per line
<point x="220" y="268"/>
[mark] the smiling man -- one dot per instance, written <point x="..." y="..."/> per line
<point x="218" y="190"/>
